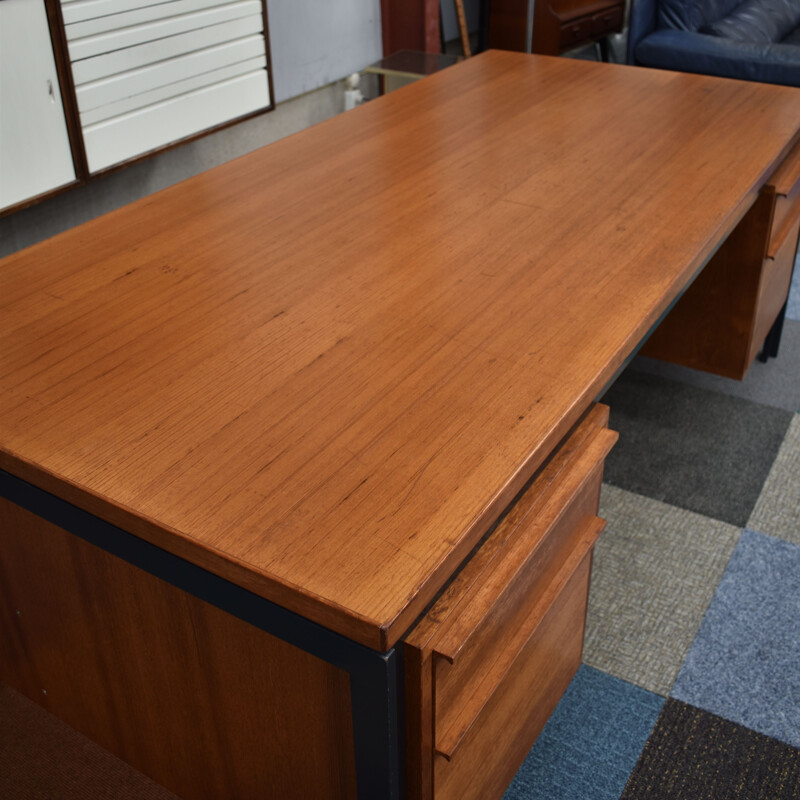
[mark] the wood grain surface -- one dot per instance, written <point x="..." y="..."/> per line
<point x="323" y="369"/>
<point x="206" y="705"/>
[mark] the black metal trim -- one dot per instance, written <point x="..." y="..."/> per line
<point x="375" y="677"/>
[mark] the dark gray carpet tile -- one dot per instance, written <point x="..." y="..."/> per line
<point x="41" y="758"/>
<point x="777" y="511"/>
<point x="694" y="755"/>
<point x="776" y="383"/>
<point x="693" y="448"/>
<point x="654" y="572"/>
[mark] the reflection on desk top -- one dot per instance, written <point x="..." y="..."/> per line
<point x="322" y="370"/>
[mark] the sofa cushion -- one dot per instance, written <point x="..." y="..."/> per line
<point x="793" y="38"/>
<point x="691" y="15"/>
<point x="761" y="21"/>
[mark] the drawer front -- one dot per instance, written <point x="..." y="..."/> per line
<point x="785" y="183"/>
<point x="489" y="636"/>
<point x="607" y="21"/>
<point x="495" y="747"/>
<point x="773" y="288"/>
<point x="784" y="218"/>
<point x="575" y="32"/>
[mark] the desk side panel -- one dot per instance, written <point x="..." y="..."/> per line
<point x="202" y="702"/>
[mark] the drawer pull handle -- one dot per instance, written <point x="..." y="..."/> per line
<point x="788" y="174"/>
<point x="454" y="634"/>
<point x="446" y="744"/>
<point x="778" y="238"/>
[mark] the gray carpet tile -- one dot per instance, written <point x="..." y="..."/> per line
<point x="698" y="449"/>
<point x="776" y="383"/>
<point x="654" y="573"/>
<point x="777" y="511"/>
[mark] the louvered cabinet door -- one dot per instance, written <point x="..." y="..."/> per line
<point x="147" y="75"/>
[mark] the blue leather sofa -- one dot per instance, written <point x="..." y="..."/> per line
<point x="756" y="40"/>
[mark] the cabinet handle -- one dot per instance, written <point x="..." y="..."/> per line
<point x="788" y="174"/>
<point x="458" y="630"/>
<point x="50" y="91"/>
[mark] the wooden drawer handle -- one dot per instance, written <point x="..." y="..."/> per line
<point x="778" y="238"/>
<point x="788" y="173"/>
<point x="457" y="631"/>
<point x="447" y="743"/>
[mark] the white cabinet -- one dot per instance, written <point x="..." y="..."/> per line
<point x="35" y="155"/>
<point x="150" y="73"/>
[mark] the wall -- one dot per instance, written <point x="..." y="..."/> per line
<point x="313" y="43"/>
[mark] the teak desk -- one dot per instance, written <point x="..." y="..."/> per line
<point x="301" y="456"/>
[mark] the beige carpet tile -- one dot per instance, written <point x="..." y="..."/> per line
<point x="777" y="510"/>
<point x="654" y="573"/>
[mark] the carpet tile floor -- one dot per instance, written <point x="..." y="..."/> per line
<point x="694" y="608"/>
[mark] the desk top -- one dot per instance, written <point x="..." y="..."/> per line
<point x="321" y="370"/>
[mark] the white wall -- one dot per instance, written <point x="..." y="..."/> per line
<point x="315" y="42"/>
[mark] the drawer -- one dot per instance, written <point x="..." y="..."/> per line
<point x="490" y="660"/>
<point x="575" y="32"/>
<point x="607" y="21"/>
<point x="785" y="183"/>
<point x="773" y="286"/>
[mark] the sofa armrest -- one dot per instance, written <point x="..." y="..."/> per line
<point x="711" y="55"/>
<point x="641" y="22"/>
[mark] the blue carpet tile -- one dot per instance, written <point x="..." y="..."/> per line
<point x="591" y="742"/>
<point x="793" y="307"/>
<point x="744" y="663"/>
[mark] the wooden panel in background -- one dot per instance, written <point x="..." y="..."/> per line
<point x="711" y="326"/>
<point x="203" y="703"/>
<point x="410" y="25"/>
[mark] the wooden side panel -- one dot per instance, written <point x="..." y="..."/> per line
<point x="711" y="326"/>
<point x="508" y="25"/>
<point x="410" y="25"/>
<point x="203" y="703"/>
